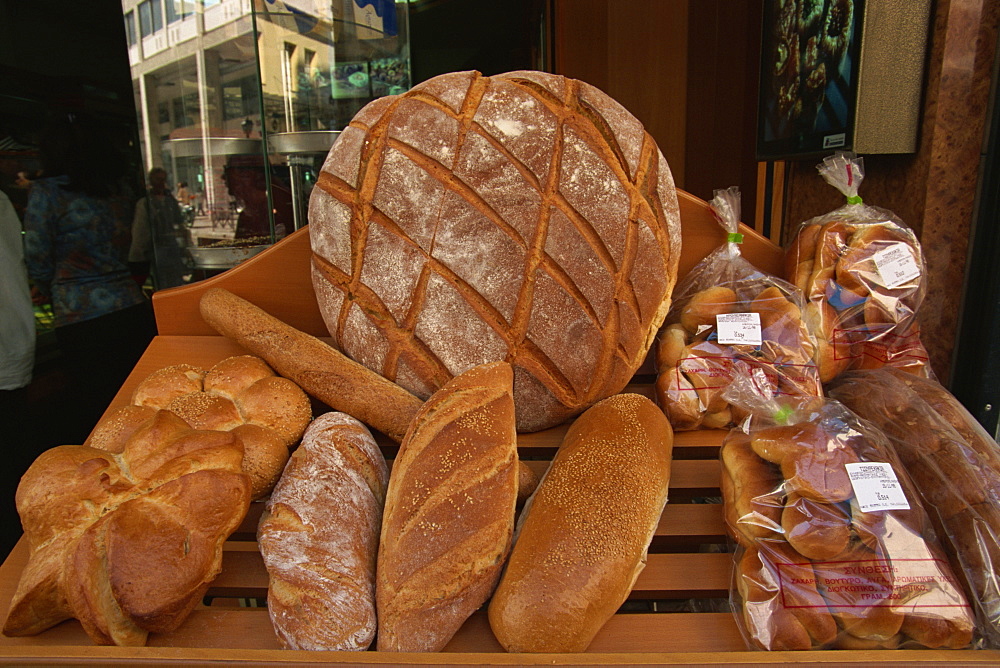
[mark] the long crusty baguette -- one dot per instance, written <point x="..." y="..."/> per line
<point x="319" y="538"/>
<point x="584" y="539"/>
<point x="319" y="369"/>
<point x="449" y="511"/>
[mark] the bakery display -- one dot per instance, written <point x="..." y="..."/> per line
<point x="727" y="311"/>
<point x="523" y="217"/>
<point x="955" y="467"/>
<point x="449" y="511"/>
<point x="683" y="569"/>
<point x="127" y="542"/>
<point x="582" y="539"/>
<point x="834" y="547"/>
<point x="240" y="394"/>
<point x="319" y="538"/>
<point x="862" y="272"/>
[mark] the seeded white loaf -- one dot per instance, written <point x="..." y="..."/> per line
<point x="524" y="217"/>
<point x="319" y="538"/>
<point x="583" y="536"/>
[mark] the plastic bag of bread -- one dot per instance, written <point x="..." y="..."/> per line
<point x="957" y="476"/>
<point x="833" y="546"/>
<point x="726" y="309"/>
<point x="862" y="272"/>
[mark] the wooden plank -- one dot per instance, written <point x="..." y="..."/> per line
<point x="666" y="576"/>
<point x="680" y="523"/>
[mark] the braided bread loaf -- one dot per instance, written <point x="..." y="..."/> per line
<point x="127" y="542"/>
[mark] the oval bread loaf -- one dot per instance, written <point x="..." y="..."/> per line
<point x="583" y="538"/>
<point x="449" y="511"/>
<point x="319" y="538"/>
<point x="523" y="217"/>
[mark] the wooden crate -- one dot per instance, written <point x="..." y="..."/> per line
<point x="677" y="610"/>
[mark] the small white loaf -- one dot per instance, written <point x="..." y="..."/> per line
<point x="319" y="538"/>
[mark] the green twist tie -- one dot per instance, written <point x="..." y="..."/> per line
<point x="734" y="237"/>
<point x="782" y="414"/>
<point x="854" y="199"/>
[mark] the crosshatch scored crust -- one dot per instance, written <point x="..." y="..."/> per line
<point x="524" y="217"/>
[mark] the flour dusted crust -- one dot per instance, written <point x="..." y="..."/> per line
<point x="319" y="538"/>
<point x="523" y="217"/>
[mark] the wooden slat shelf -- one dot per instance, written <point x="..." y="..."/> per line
<point x="676" y="613"/>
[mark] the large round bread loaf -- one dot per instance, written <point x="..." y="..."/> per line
<point x="524" y="217"/>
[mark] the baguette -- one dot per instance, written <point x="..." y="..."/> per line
<point x="319" y="538"/>
<point x="319" y="369"/>
<point x="585" y="533"/>
<point x="449" y="511"/>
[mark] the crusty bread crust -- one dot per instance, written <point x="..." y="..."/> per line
<point x="449" y="511"/>
<point x="523" y="217"/>
<point x="319" y="538"/>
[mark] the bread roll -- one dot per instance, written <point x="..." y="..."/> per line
<point x="781" y="607"/>
<point x="752" y="491"/>
<point x="316" y="367"/>
<point x="583" y="537"/>
<point x="239" y="394"/>
<point x="819" y="531"/>
<point x="449" y="511"/>
<point x="524" y="217"/>
<point x="319" y="538"/>
<point x="702" y="309"/>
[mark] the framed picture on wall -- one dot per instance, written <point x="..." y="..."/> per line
<point x="809" y="77"/>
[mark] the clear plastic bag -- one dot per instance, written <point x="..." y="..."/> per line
<point x="863" y="275"/>
<point x="957" y="476"/>
<point x="724" y="310"/>
<point x="833" y="548"/>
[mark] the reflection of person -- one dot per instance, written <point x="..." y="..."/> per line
<point x="17" y="359"/>
<point x="183" y="196"/>
<point x="76" y="247"/>
<point x="158" y="235"/>
<point x="246" y="181"/>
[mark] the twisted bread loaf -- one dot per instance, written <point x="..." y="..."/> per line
<point x="127" y="542"/>
<point x="524" y="217"/>
<point x="241" y="395"/>
<point x="449" y="511"/>
<point x="319" y="538"/>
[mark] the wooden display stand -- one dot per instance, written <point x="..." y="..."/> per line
<point x="676" y="613"/>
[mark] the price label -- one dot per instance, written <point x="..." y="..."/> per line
<point x="876" y="487"/>
<point x="738" y="329"/>
<point x="896" y="265"/>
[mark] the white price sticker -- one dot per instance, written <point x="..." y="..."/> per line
<point x="738" y="329"/>
<point x="896" y="265"/>
<point x="876" y="487"/>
